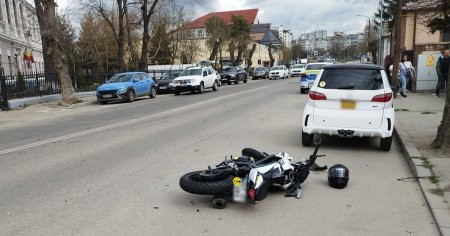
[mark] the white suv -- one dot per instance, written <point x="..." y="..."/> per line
<point x="195" y="79"/>
<point x="350" y="100"/>
<point x="280" y="71"/>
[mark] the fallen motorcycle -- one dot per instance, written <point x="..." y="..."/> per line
<point x="248" y="177"/>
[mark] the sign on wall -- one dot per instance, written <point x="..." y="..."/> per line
<point x="426" y="70"/>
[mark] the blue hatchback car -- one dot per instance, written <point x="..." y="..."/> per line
<point x="126" y="87"/>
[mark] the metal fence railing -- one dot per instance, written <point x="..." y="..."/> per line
<point x="38" y="84"/>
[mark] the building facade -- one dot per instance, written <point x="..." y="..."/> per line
<point x="20" y="39"/>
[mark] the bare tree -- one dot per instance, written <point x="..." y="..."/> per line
<point x="148" y="8"/>
<point x="48" y="23"/>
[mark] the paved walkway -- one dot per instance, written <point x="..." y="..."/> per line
<point x="417" y="119"/>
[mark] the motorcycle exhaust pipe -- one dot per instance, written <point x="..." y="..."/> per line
<point x="220" y="203"/>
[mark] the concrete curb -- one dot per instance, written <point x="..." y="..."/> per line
<point x="435" y="203"/>
<point x="15" y="103"/>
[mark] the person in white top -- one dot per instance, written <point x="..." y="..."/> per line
<point x="404" y="66"/>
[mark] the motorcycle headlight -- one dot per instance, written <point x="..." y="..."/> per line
<point x="122" y="90"/>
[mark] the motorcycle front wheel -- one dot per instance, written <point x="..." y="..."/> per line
<point x="196" y="183"/>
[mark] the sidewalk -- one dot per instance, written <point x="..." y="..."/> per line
<point x="417" y="119"/>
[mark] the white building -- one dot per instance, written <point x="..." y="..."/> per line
<point x="19" y="32"/>
<point x="285" y="36"/>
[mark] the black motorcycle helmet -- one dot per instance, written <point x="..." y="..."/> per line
<point x="338" y="176"/>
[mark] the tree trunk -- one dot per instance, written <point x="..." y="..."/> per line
<point x="214" y="51"/>
<point x="46" y="13"/>
<point x="271" y="56"/>
<point x="145" y="35"/>
<point x="231" y="49"/>
<point x="249" y="58"/>
<point x="396" y="45"/>
<point x="443" y="133"/>
<point x="134" y="56"/>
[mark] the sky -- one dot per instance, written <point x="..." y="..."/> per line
<point x="299" y="16"/>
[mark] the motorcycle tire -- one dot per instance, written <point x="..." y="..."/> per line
<point x="250" y="152"/>
<point x="194" y="183"/>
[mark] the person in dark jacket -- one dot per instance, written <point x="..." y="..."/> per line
<point x="442" y="67"/>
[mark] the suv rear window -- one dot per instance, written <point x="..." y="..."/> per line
<point x="352" y="79"/>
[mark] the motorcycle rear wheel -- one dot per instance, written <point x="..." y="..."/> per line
<point x="193" y="182"/>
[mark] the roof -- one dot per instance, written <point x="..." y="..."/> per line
<point x="354" y="66"/>
<point x="422" y="5"/>
<point x="248" y="14"/>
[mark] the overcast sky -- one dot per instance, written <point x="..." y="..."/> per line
<point x="299" y="16"/>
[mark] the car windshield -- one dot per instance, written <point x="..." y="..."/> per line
<point x="314" y="66"/>
<point x="120" y="78"/>
<point x="352" y="79"/>
<point x="297" y="66"/>
<point x="260" y="69"/>
<point x="191" y="72"/>
<point x="277" y="68"/>
<point x="229" y="69"/>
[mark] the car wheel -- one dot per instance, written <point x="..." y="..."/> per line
<point x="215" y="86"/>
<point x="201" y="88"/>
<point x="131" y="96"/>
<point x="152" y="92"/>
<point x="270" y="78"/>
<point x="307" y="139"/>
<point x="103" y="102"/>
<point x="177" y="92"/>
<point x="229" y="83"/>
<point x="236" y="81"/>
<point x="386" y="143"/>
<point x="302" y="91"/>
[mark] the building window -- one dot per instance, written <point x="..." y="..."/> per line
<point x="8" y="15"/>
<point x="200" y="33"/>
<point x="16" y="20"/>
<point x="446" y="36"/>
<point x="1" y="12"/>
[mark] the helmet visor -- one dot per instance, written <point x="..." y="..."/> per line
<point x="338" y="172"/>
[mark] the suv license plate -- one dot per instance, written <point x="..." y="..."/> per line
<point x="348" y="104"/>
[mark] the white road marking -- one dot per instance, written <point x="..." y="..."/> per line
<point x="122" y="124"/>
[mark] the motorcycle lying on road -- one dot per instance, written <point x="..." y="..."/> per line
<point x="248" y="177"/>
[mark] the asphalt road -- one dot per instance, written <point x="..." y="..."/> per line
<point x="114" y="170"/>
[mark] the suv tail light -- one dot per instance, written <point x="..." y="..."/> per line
<point x="386" y="97"/>
<point x="317" y="96"/>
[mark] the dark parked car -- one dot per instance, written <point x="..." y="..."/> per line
<point x="164" y="81"/>
<point x="233" y="74"/>
<point x="260" y="72"/>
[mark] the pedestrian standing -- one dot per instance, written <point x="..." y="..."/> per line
<point x="406" y="73"/>
<point x="442" y="67"/>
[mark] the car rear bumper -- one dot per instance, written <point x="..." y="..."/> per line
<point x="384" y="130"/>
<point x="306" y="84"/>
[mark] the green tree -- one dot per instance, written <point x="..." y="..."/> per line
<point x="219" y="32"/>
<point x="239" y="38"/>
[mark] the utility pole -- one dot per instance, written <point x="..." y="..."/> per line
<point x="381" y="44"/>
<point x="396" y="43"/>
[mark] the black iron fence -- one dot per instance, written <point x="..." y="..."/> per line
<point x="38" y="84"/>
